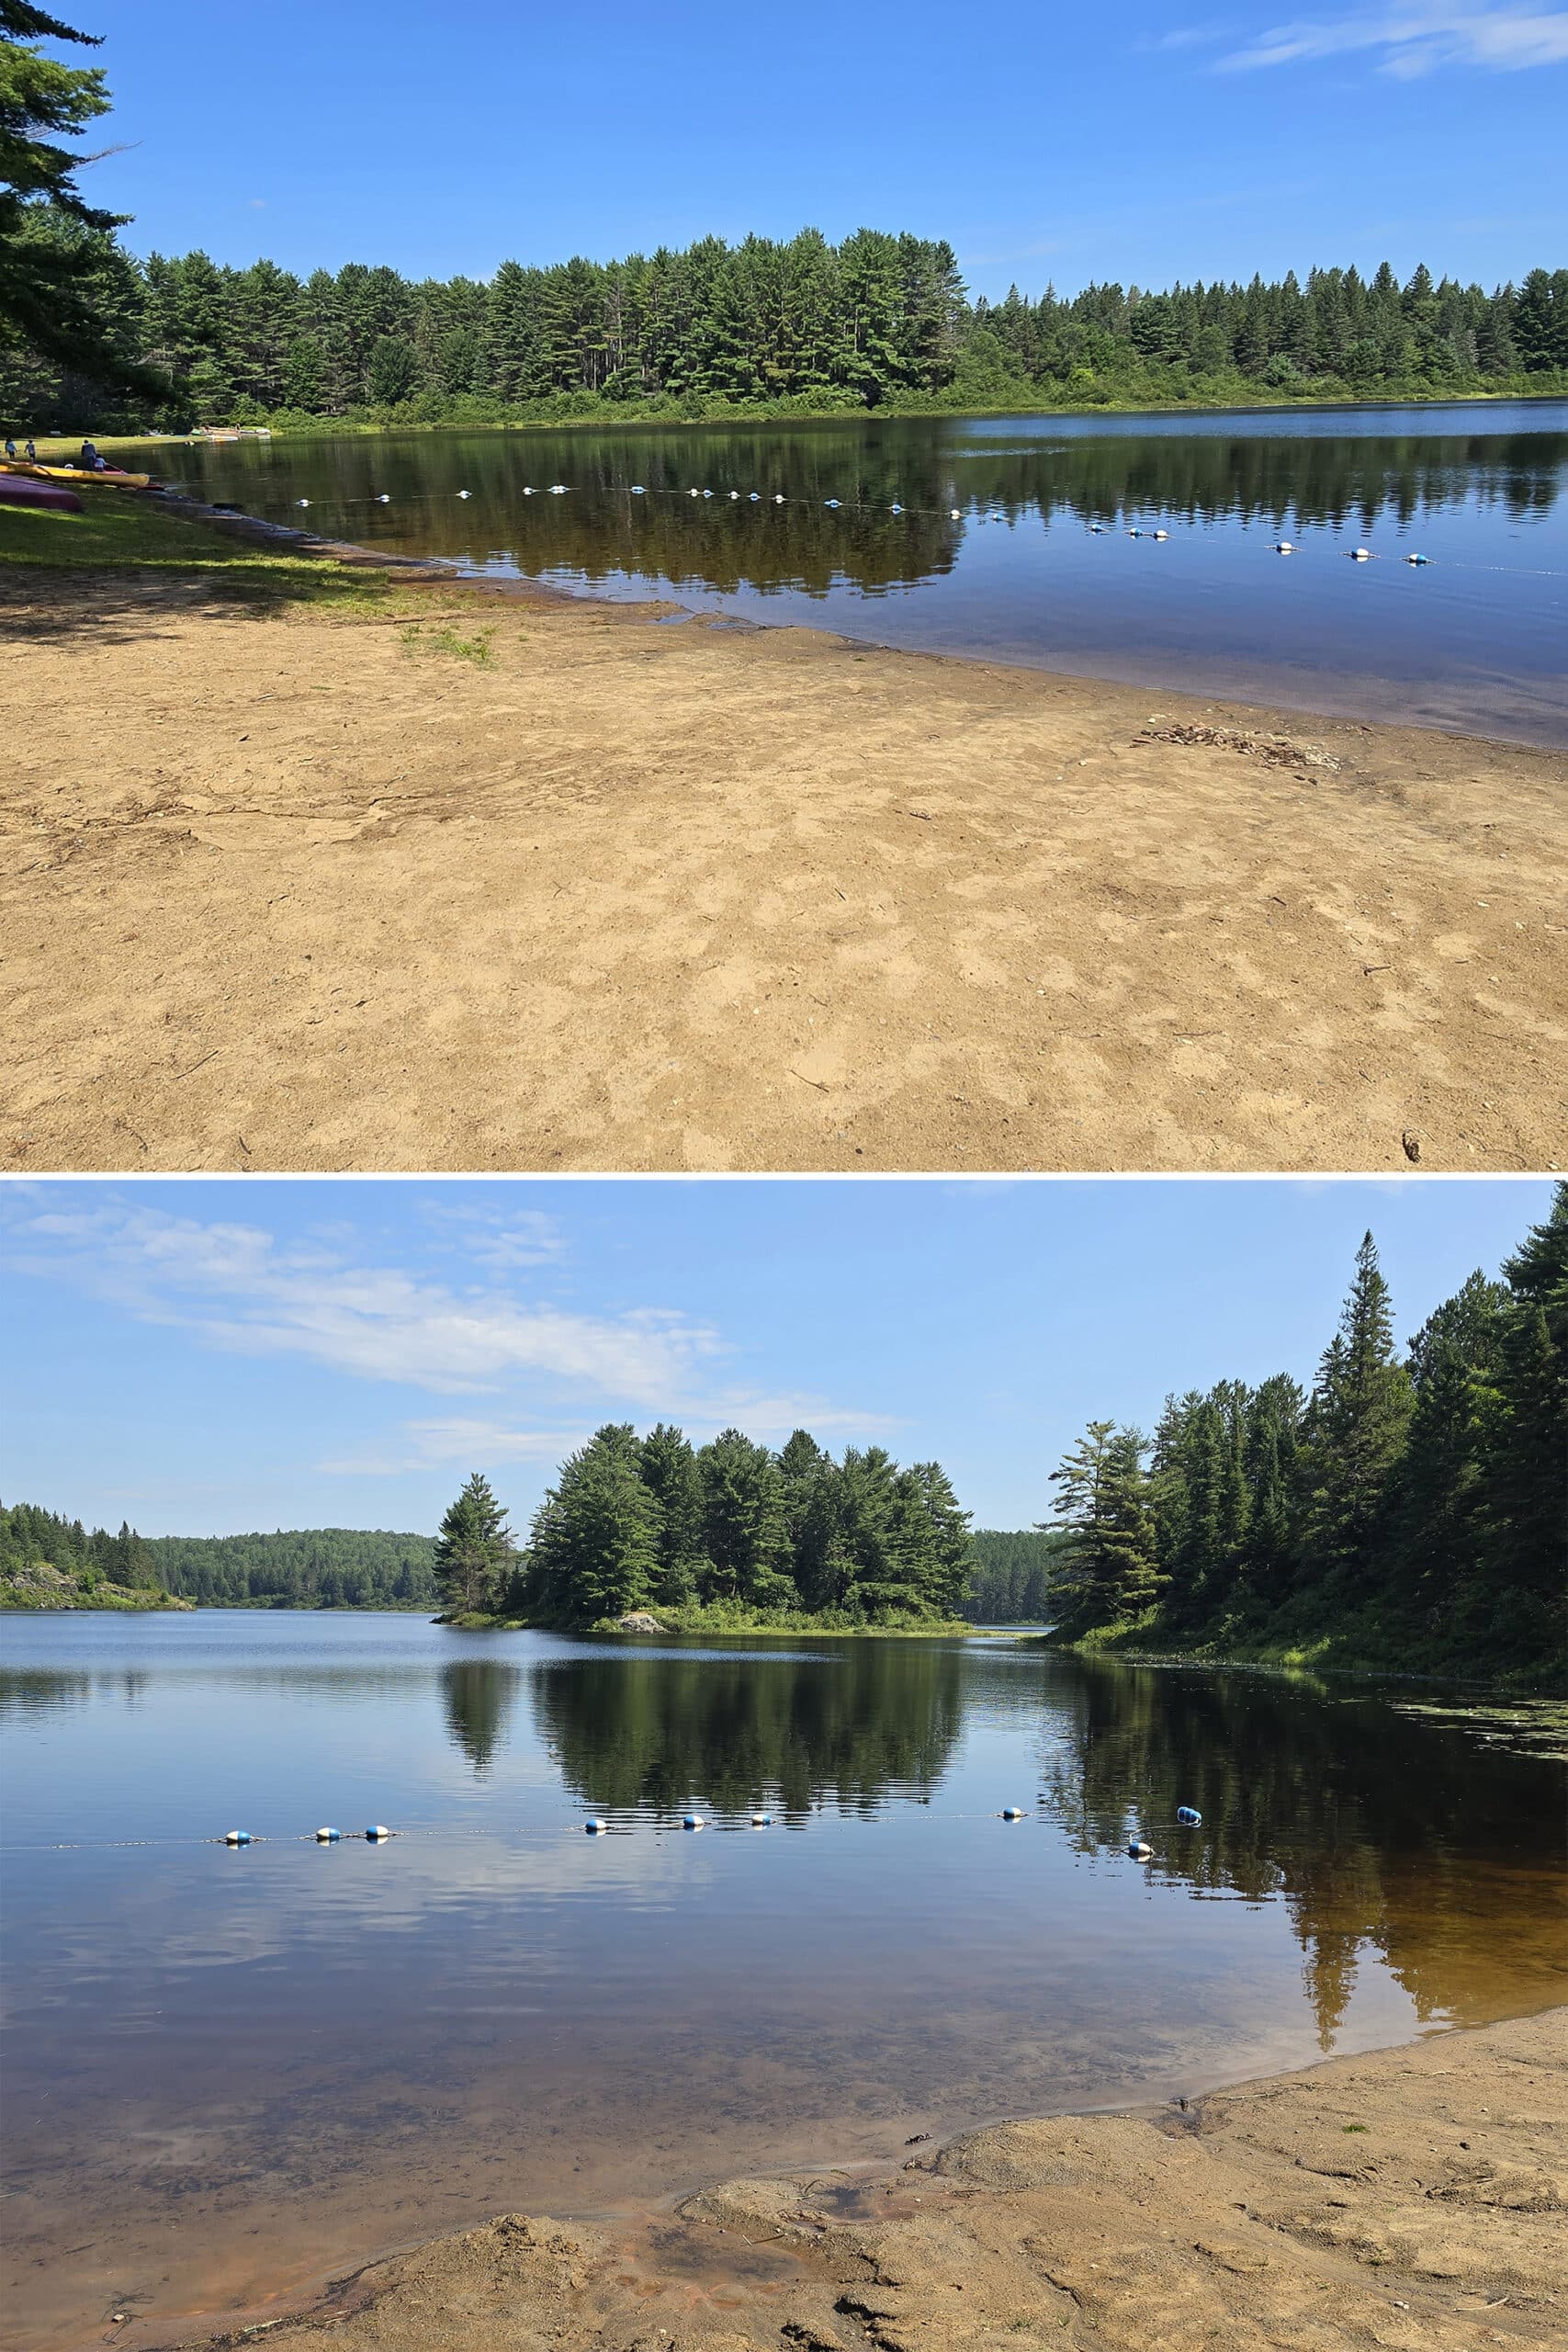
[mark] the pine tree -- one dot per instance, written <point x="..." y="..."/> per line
<point x="667" y="1464"/>
<point x="744" y="1534"/>
<point x="1359" y="1419"/>
<point x="1110" y="1572"/>
<point x="474" y="1550"/>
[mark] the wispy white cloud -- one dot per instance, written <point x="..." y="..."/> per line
<point x="1413" y="39"/>
<point x="235" y="1286"/>
<point x="241" y="1289"/>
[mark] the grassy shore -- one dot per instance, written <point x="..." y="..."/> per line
<point x="784" y="1625"/>
<point x="43" y="1587"/>
<point x="1218" y="399"/>
<point x="1346" y="1641"/>
<point x="123" y="530"/>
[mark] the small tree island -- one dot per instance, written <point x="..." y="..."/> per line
<point x="723" y="1537"/>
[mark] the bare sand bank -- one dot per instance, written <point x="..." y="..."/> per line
<point x="297" y="890"/>
<point x="1414" y="2197"/>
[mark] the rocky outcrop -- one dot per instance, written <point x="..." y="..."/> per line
<point x="638" y="1621"/>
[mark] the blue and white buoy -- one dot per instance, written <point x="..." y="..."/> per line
<point x="328" y="1836"/>
<point x="593" y="1824"/>
<point x="383" y="498"/>
<point x="1359" y="555"/>
<point x="1138" y="1852"/>
<point x="691" y="1821"/>
<point x="302" y="502"/>
<point x="237" y="1837"/>
<point x="376" y="1831"/>
<point x="638" y="491"/>
<point x="762" y="1821"/>
<point x="1418" y="559"/>
<point x="830" y="502"/>
<point x="1284" y="547"/>
<point x="1013" y="1812"/>
<point x="756" y="498"/>
<point x="895" y="509"/>
<point x="1189" y="1815"/>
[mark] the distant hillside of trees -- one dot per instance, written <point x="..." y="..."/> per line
<point x="309" y="1568"/>
<point x="880" y="322"/>
<point x="48" y="1562"/>
<point x="1410" y="1511"/>
<point x="1010" y="1581"/>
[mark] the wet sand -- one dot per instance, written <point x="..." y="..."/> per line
<point x="1414" y="2197"/>
<point x="283" y="890"/>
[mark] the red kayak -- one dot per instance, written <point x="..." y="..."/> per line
<point x="19" y="489"/>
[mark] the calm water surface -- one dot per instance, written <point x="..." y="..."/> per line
<point x="229" y="2073"/>
<point x="1474" y="641"/>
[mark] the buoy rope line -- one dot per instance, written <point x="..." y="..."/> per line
<point x="978" y="514"/>
<point x="596" y="1824"/>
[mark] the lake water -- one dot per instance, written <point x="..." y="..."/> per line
<point x="229" y="2073"/>
<point x="1476" y="640"/>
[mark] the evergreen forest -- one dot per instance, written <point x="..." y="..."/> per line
<point x="1410" y="1510"/>
<point x="729" y="1534"/>
<point x="881" y="322"/>
<point x="318" y="1568"/>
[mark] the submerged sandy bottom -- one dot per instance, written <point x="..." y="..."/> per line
<point x="1411" y="2198"/>
<point x="284" y="892"/>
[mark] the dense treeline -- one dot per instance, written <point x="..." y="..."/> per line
<point x="31" y="1537"/>
<point x="1411" y="1509"/>
<point x="729" y="1529"/>
<point x="316" y="1567"/>
<point x="1010" y="1583"/>
<point x="881" y="322"/>
<point x="312" y="1568"/>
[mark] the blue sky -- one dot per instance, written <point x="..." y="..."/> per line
<point x="207" y="1358"/>
<point x="1142" y="143"/>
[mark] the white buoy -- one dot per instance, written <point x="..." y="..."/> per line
<point x="762" y="1821"/>
<point x="464" y="494"/>
<point x="638" y="491"/>
<point x="527" y="489"/>
<point x="1013" y="1812"/>
<point x="1359" y="555"/>
<point x="692" y="1821"/>
<point x="735" y="493"/>
<point x="383" y="498"/>
<point x="1283" y="547"/>
<point x="328" y="1836"/>
<point x="377" y="1830"/>
<point x="1418" y="559"/>
<point x="1159" y="534"/>
<point x="1138" y="1852"/>
<point x="778" y="498"/>
<point x="593" y="1824"/>
<point x="955" y="513"/>
<point x="237" y="1837"/>
<point x="302" y="502"/>
<point x="694" y="493"/>
<point x="557" y="490"/>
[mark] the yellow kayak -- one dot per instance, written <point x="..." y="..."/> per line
<point x="75" y="473"/>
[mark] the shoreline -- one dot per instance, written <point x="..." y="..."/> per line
<point x="1416" y="2189"/>
<point x="761" y="898"/>
<point x="57" y="444"/>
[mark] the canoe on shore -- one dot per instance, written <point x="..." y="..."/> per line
<point x="111" y="475"/>
<point x="16" y="489"/>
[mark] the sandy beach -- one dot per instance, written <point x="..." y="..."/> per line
<point x="1411" y="2199"/>
<point x="295" y="888"/>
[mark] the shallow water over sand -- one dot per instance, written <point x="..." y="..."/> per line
<point x="232" y="2072"/>
<point x="1014" y="539"/>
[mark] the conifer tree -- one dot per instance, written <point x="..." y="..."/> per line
<point x="1360" y="1417"/>
<point x="474" y="1550"/>
<point x="668" y="1465"/>
<point x="1110" y="1572"/>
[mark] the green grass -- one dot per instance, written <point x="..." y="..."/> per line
<point x="476" y="649"/>
<point x="123" y="530"/>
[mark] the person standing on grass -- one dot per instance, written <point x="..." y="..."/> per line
<point x="10" y="447"/>
<point x="31" y="452"/>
